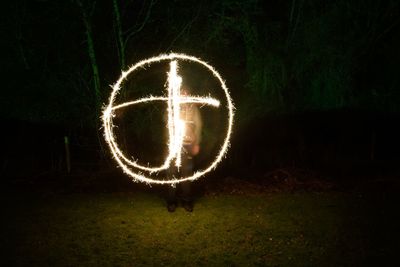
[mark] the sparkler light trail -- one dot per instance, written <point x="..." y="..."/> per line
<point x="176" y="126"/>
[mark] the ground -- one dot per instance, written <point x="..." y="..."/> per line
<point x="328" y="228"/>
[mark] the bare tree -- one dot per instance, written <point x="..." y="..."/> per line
<point x="294" y="18"/>
<point x="87" y="13"/>
<point x="122" y="39"/>
<point x="124" y="36"/>
<point x="20" y="15"/>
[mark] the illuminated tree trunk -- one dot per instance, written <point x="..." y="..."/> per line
<point x="86" y="17"/>
<point x="120" y="38"/>
<point x="122" y="41"/>
<point x="293" y="23"/>
<point x="95" y="69"/>
<point x="122" y="61"/>
<point x="123" y="36"/>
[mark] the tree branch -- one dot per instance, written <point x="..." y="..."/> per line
<point x="184" y="28"/>
<point x="144" y="22"/>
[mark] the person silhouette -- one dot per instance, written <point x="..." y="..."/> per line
<point x="182" y="192"/>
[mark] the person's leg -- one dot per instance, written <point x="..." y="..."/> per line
<point x="172" y="200"/>
<point x="187" y="194"/>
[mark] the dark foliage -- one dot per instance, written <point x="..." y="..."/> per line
<point x="280" y="58"/>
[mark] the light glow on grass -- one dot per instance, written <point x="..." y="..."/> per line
<point x="175" y="125"/>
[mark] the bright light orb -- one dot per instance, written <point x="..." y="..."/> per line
<point x="175" y="126"/>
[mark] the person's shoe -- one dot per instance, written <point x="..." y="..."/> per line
<point x="188" y="206"/>
<point x="171" y="207"/>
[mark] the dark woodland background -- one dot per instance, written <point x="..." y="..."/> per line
<point x="315" y="83"/>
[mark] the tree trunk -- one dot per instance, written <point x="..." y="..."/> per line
<point x="120" y="39"/>
<point x="122" y="63"/>
<point x="86" y="18"/>
<point x="92" y="55"/>
<point x="93" y="63"/>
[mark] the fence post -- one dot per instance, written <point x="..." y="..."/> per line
<point x="67" y="154"/>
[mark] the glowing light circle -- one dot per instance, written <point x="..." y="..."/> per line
<point x="174" y="99"/>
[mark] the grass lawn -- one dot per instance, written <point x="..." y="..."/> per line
<point x="135" y="229"/>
